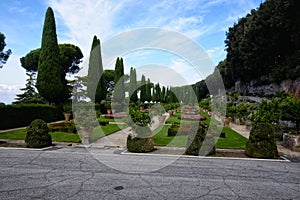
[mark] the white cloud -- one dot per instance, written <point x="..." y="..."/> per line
<point x="9" y="92"/>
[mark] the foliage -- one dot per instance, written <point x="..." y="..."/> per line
<point x="199" y="143"/>
<point x="85" y="117"/>
<point x="140" y="145"/>
<point x="4" y="55"/>
<point x="264" y="43"/>
<point x="139" y="118"/>
<point x="143" y="89"/>
<point x="205" y="103"/>
<point x="119" y="89"/>
<point x="51" y="83"/>
<point x="70" y="55"/>
<point x="30" y="95"/>
<point x="67" y="127"/>
<point x="37" y="135"/>
<point x="14" y="116"/>
<point x="96" y="87"/>
<point x="133" y="86"/>
<point x="262" y="143"/>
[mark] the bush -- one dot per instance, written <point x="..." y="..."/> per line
<point x="140" y="145"/>
<point x="14" y="116"/>
<point x="37" y="135"/>
<point x="173" y="130"/>
<point x="199" y="143"/>
<point x="261" y="143"/>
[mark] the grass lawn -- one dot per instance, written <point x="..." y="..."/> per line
<point x="62" y="136"/>
<point x="233" y="140"/>
<point x="161" y="138"/>
<point x="106" y="130"/>
<point x="103" y="118"/>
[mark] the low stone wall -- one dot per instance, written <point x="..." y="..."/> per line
<point x="291" y="142"/>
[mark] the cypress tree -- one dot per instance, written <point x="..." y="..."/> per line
<point x="51" y="83"/>
<point x="133" y="86"/>
<point x="143" y="89"/>
<point x="96" y="86"/>
<point x="163" y="95"/>
<point x="119" y="90"/>
<point x="148" y="91"/>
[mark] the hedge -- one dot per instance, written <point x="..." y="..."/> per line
<point x="14" y="116"/>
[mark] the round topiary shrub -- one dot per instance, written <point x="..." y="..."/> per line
<point x="199" y="143"/>
<point x="37" y="135"/>
<point x="140" y="145"/>
<point x="261" y="143"/>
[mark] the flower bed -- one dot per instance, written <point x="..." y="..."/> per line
<point x="116" y="115"/>
<point x="192" y="117"/>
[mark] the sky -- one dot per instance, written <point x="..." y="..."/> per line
<point x="204" y="22"/>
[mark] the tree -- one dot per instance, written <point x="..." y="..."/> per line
<point x="148" y="90"/>
<point x="51" y="82"/>
<point x="30" y="95"/>
<point x="133" y="86"/>
<point x="96" y="87"/>
<point x="143" y="89"/>
<point x="4" y="55"/>
<point x="119" y="89"/>
<point x="70" y="55"/>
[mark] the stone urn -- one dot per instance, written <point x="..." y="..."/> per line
<point x="67" y="116"/>
<point x="226" y="121"/>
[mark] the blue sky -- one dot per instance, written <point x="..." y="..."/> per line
<point x="77" y="21"/>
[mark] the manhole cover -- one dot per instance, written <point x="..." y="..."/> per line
<point x="119" y="188"/>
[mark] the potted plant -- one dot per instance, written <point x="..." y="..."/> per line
<point x="86" y="120"/>
<point x="67" y="112"/>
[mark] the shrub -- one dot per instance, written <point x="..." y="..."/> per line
<point x="140" y="145"/>
<point x="13" y="116"/>
<point x="173" y="130"/>
<point x="261" y="143"/>
<point x="103" y="123"/>
<point x="37" y="135"/>
<point x="199" y="143"/>
<point x="68" y="127"/>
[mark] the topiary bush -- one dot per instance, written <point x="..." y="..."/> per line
<point x="140" y="145"/>
<point x="199" y="143"/>
<point x="37" y="135"/>
<point x="261" y="143"/>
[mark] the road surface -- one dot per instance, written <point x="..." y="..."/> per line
<point x="76" y="173"/>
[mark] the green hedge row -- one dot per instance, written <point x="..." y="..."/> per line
<point x="14" y="116"/>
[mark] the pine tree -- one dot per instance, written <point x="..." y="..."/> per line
<point x="133" y="86"/>
<point x="30" y="95"/>
<point x="96" y="86"/>
<point x="143" y="89"/>
<point x="119" y="89"/>
<point x="51" y="83"/>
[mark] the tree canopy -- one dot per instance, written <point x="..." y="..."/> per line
<point x="4" y="55"/>
<point x="51" y="83"/>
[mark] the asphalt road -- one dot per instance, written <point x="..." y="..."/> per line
<point x="75" y="173"/>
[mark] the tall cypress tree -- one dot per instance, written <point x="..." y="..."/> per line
<point x="96" y="87"/>
<point x="119" y="90"/>
<point x="51" y="82"/>
<point x="133" y="86"/>
<point x="148" y="90"/>
<point x="143" y="89"/>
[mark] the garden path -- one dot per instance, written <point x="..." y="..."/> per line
<point x="241" y="129"/>
<point x="119" y="139"/>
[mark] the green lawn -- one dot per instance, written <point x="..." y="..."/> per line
<point x="161" y="138"/>
<point x="65" y="137"/>
<point x="233" y="140"/>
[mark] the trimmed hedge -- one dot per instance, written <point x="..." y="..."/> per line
<point x="140" y="145"/>
<point x="199" y="142"/>
<point x="261" y="143"/>
<point x="37" y="135"/>
<point x="14" y="116"/>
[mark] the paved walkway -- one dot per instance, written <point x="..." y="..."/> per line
<point x="20" y="128"/>
<point x="241" y="129"/>
<point x="119" y="139"/>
